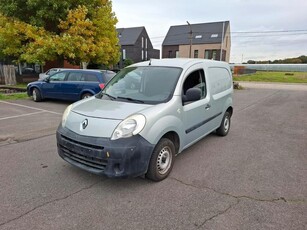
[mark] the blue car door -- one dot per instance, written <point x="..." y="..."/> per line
<point x="72" y="86"/>
<point x="52" y="86"/>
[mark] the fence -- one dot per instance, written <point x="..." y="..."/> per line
<point x="273" y="67"/>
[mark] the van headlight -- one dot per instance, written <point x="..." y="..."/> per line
<point x="65" y="115"/>
<point x="129" y="127"/>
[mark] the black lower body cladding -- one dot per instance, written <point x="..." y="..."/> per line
<point x="127" y="157"/>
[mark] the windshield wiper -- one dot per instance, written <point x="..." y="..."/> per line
<point x="131" y="99"/>
<point x="111" y="97"/>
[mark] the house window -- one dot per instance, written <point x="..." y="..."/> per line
<point x="195" y="53"/>
<point x="207" y="54"/>
<point x="146" y="43"/>
<point x="198" y="36"/>
<point x="142" y="54"/>
<point x="177" y="53"/>
<point x="214" y="54"/>
<point x="146" y="56"/>
<point x="214" y="35"/>
<point x="142" y="42"/>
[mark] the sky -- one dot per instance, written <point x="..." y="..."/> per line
<point x="260" y="29"/>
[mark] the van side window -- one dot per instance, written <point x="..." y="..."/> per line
<point x="195" y="80"/>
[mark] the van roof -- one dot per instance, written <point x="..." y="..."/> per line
<point x="180" y="62"/>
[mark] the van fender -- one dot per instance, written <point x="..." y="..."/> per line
<point x="228" y="104"/>
<point x="157" y="130"/>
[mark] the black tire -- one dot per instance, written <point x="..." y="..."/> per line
<point x="86" y="95"/>
<point x="162" y="160"/>
<point x="223" y="130"/>
<point x="36" y="95"/>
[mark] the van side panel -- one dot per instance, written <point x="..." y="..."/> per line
<point x="221" y="89"/>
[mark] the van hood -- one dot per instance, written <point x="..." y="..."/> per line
<point x="107" y="109"/>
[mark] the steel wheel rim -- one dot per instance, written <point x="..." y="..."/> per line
<point x="164" y="160"/>
<point x="34" y="95"/>
<point x="226" y="123"/>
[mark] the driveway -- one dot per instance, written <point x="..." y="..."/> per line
<point x="254" y="178"/>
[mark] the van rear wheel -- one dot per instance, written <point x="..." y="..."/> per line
<point x="223" y="130"/>
<point x="162" y="160"/>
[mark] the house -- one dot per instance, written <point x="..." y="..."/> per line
<point x="135" y="45"/>
<point x="204" y="40"/>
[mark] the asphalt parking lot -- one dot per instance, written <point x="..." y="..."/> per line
<point x="254" y="178"/>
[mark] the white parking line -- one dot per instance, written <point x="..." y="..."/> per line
<point x="29" y="107"/>
<point x="23" y="115"/>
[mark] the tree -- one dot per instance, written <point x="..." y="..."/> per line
<point x="303" y="58"/>
<point x="85" y="40"/>
<point x="251" y="62"/>
<point x="128" y="62"/>
<point x="18" y="39"/>
<point x="44" y="13"/>
<point x="78" y="33"/>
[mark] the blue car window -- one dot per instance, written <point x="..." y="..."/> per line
<point x="58" y="76"/>
<point x="89" y="77"/>
<point x="109" y="75"/>
<point x="74" y="76"/>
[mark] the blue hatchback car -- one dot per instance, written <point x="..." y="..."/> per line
<point x="70" y="85"/>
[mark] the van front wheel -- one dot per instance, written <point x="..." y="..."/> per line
<point x="225" y="125"/>
<point x="162" y="160"/>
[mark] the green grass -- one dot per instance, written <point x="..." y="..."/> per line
<point x="263" y="76"/>
<point x="13" y="96"/>
<point x="21" y="85"/>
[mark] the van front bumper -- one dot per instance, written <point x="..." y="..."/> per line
<point x="127" y="157"/>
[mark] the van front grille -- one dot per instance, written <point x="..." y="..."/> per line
<point x="88" y="155"/>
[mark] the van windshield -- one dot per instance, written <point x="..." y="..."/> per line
<point x="149" y="84"/>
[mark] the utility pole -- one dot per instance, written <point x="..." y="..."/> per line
<point x="191" y="35"/>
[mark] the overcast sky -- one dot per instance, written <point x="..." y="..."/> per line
<point x="265" y="16"/>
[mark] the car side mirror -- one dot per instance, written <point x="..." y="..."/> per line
<point x="47" y="79"/>
<point x="192" y="94"/>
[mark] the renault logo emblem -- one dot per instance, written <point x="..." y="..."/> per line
<point x="84" y="124"/>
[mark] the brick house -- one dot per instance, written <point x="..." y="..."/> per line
<point x="135" y="45"/>
<point x="204" y="40"/>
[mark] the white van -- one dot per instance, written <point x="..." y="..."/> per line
<point x="148" y="113"/>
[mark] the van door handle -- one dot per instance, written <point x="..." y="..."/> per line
<point x="208" y="106"/>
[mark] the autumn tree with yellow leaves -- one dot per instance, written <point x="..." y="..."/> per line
<point x="37" y="31"/>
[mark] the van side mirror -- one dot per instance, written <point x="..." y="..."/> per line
<point x="192" y="94"/>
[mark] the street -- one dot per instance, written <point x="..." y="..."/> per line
<point x="254" y="178"/>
